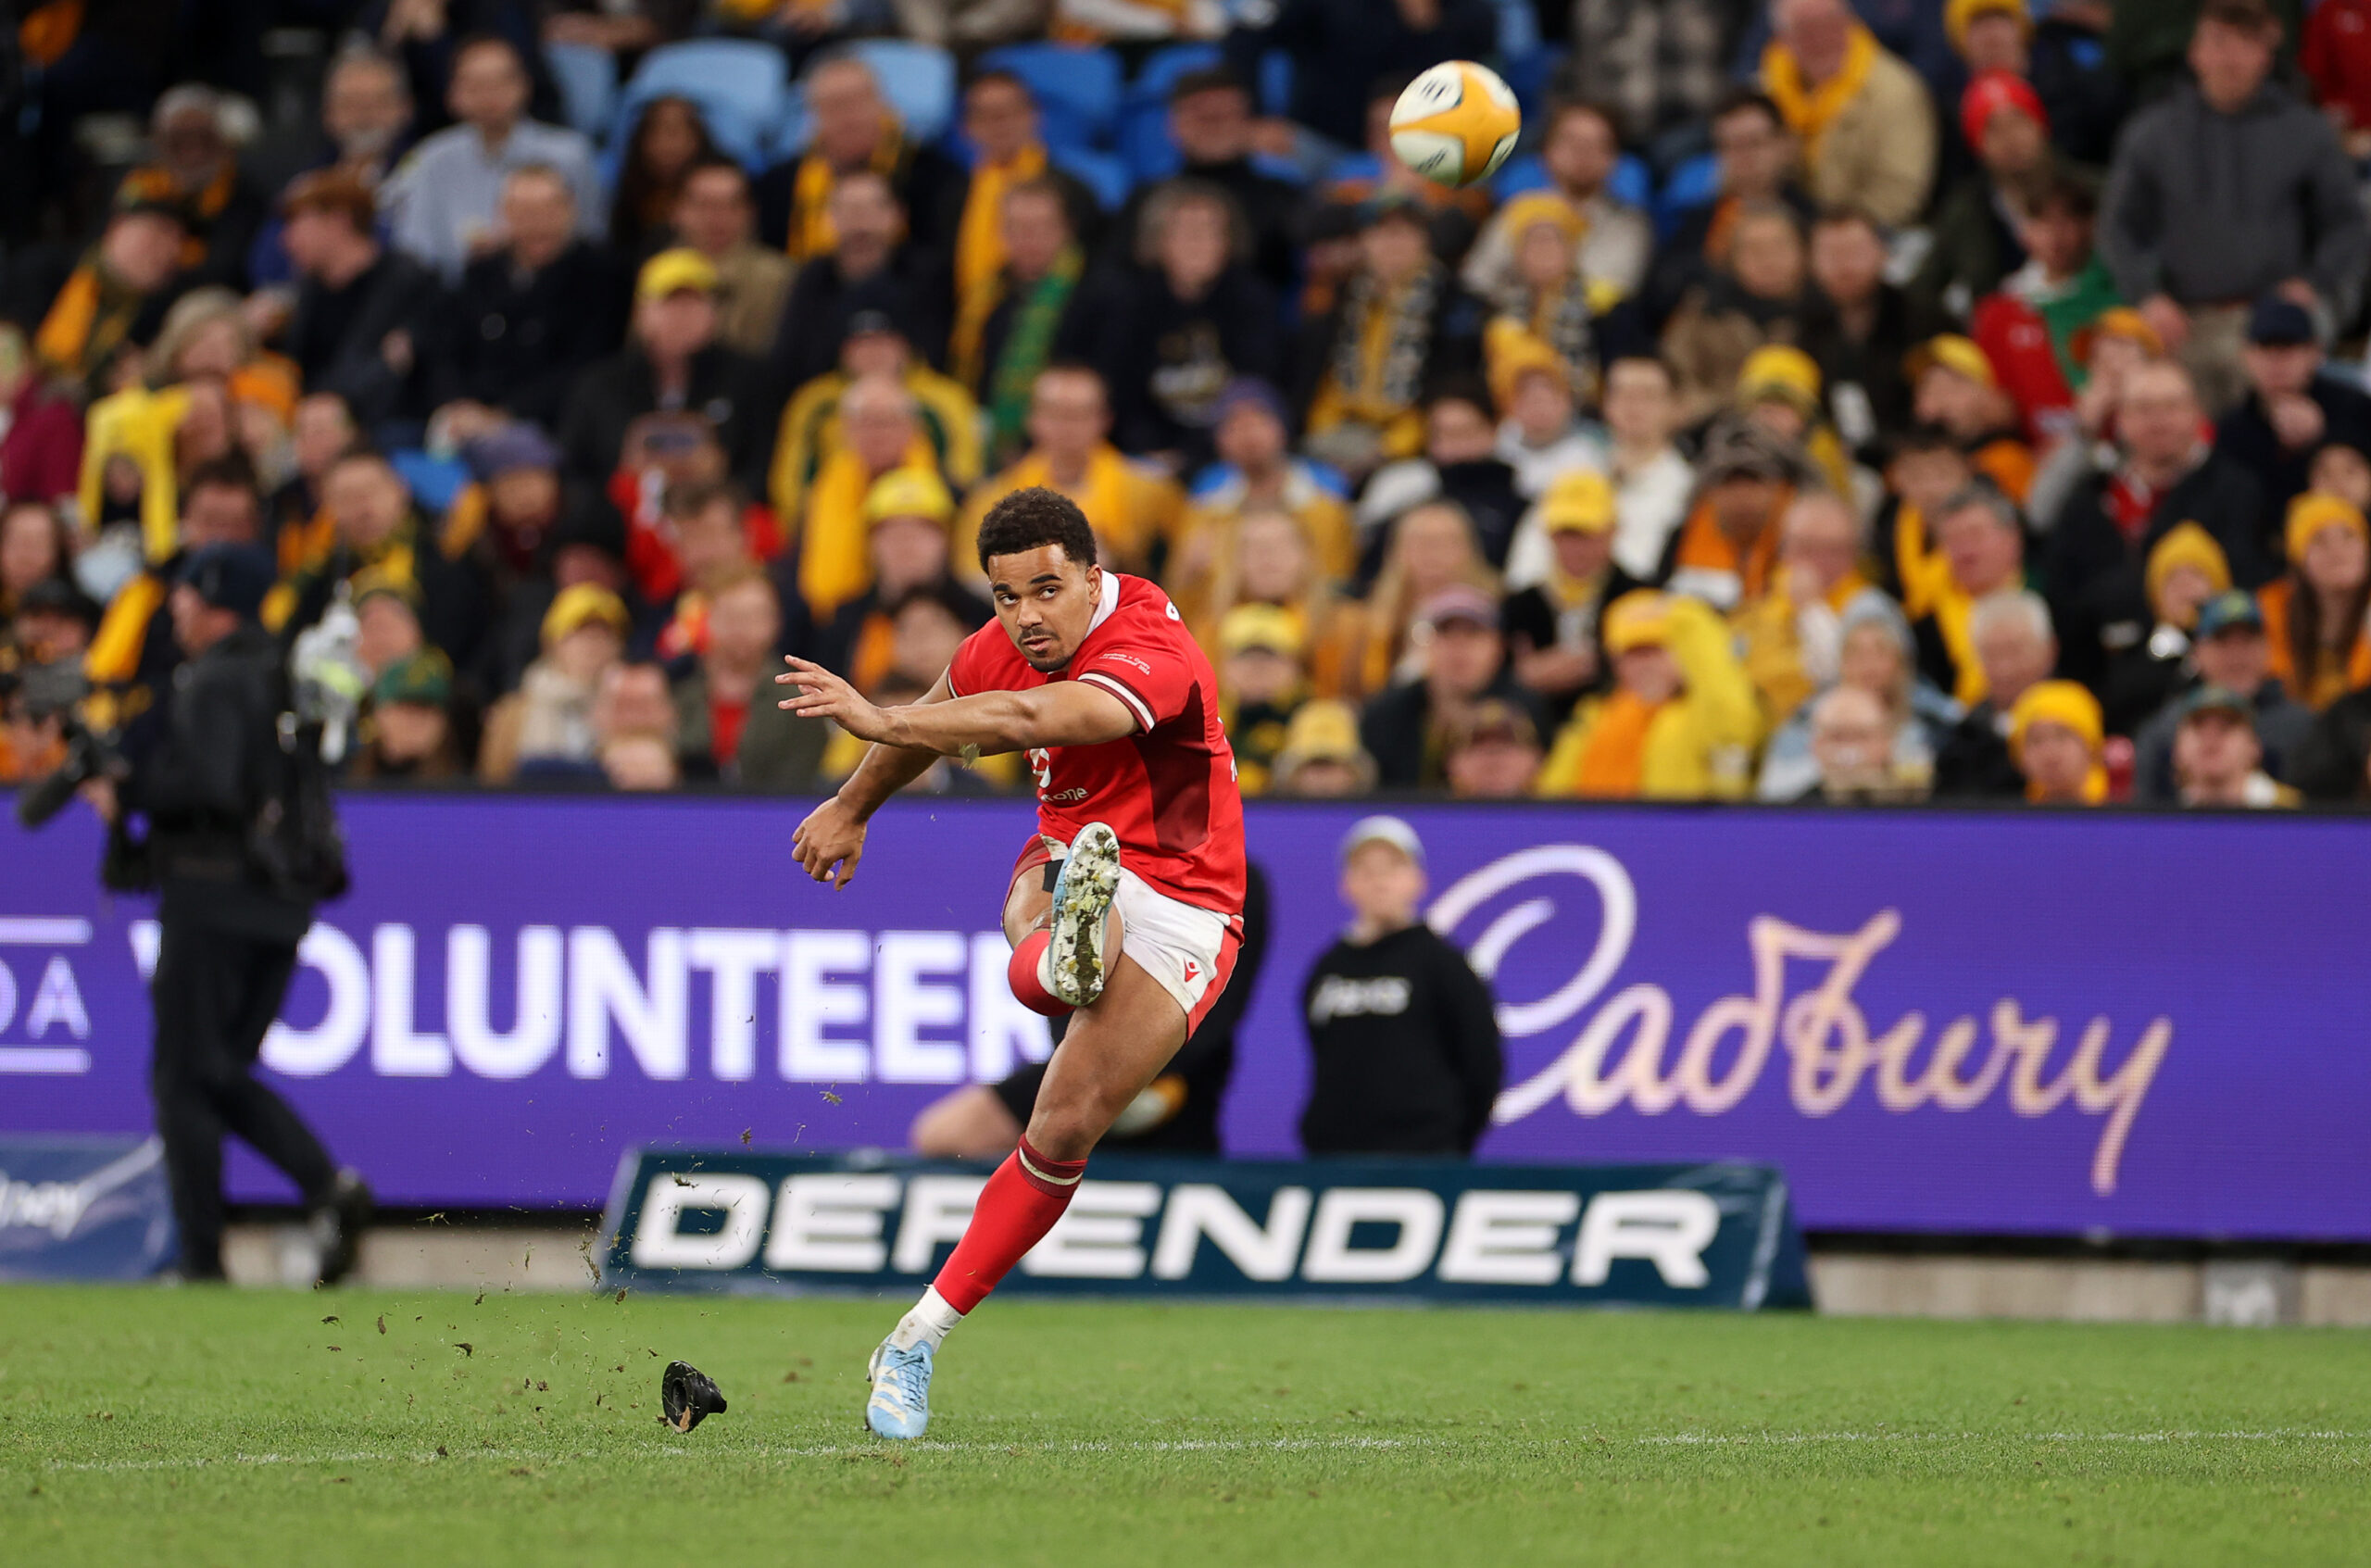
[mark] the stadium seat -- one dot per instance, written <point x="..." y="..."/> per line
<point x="738" y="134"/>
<point x="1632" y="181"/>
<point x="917" y="79"/>
<point x="1077" y="89"/>
<point x="588" y="80"/>
<point x="739" y="86"/>
<point x="433" y="480"/>
<point x="1099" y="172"/>
<point x="1145" y="145"/>
<point x="1691" y="185"/>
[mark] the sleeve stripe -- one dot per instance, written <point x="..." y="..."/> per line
<point x="1136" y="705"/>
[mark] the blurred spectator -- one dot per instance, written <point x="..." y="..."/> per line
<point x="1453" y="215"/>
<point x="708" y="535"/>
<point x="409" y="732"/>
<point x="1679" y="722"/>
<point x="528" y="320"/>
<point x="724" y="687"/>
<point x="2055" y="737"/>
<point x="671" y="365"/>
<point x="2028" y="328"/>
<point x="1263" y="680"/>
<point x="1723" y="552"/>
<point x="1755" y="156"/>
<point x="1461" y="464"/>
<point x="880" y="435"/>
<point x="1540" y="431"/>
<point x="2185" y="571"/>
<point x="386" y="611"/>
<point x="1778" y="389"/>
<point x="1190" y="320"/>
<point x="549" y="718"/>
<point x="365" y="119"/>
<point x="506" y="514"/>
<point x="1554" y="626"/>
<point x="142" y="449"/>
<point x="639" y="761"/>
<point x="1610" y="242"/>
<point x="1492" y="753"/>
<point x="1791" y="639"/>
<point x="2227" y="189"/>
<point x="1400" y="328"/>
<point x="206" y="335"/>
<point x="1265" y="557"/>
<point x="667" y="141"/>
<point x="1652" y="480"/>
<point x="925" y="631"/>
<point x="2016" y="649"/>
<point x="1975" y="241"/>
<point x="1862" y="118"/>
<point x="632" y="699"/>
<point x="2229" y="650"/>
<point x="906" y="513"/>
<point x="1403" y="1039"/>
<point x="1545" y="299"/>
<point x="2336" y="54"/>
<point x="2291" y="409"/>
<point x="132" y="653"/>
<point x="1755" y="297"/>
<point x="36" y="544"/>
<point x="443" y="199"/>
<point x="116" y="295"/>
<point x="1982" y="545"/>
<point x="431" y="39"/>
<point x="854" y="130"/>
<point x="972" y="25"/>
<point x="196" y="172"/>
<point x="2313" y="615"/>
<point x="1136" y="510"/>
<point x="1860" y="328"/>
<point x="50" y="620"/>
<point x="1256" y="471"/>
<point x="1924" y="468"/>
<point x="1851" y="755"/>
<point x="1009" y="327"/>
<point x="1954" y="387"/>
<point x="811" y="428"/>
<point x="2164" y="474"/>
<point x="587" y="545"/>
<point x="1210" y="121"/>
<point x="1322" y="759"/>
<point x="361" y="309"/>
<point x="1406" y="729"/>
<point x="2218" y="761"/>
<point x="1875" y="655"/>
<point x="2341" y="468"/>
<point x="1000" y="122"/>
<point x="296" y="526"/>
<point x="869" y="268"/>
<point x="1660" y="66"/>
<point x="2059" y="51"/>
<point x="41" y="446"/>
<point x="378" y="530"/>
<point x="715" y="216"/>
<point x="1337" y="47"/>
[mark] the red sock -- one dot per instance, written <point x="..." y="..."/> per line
<point x="1021" y="972"/>
<point x="1016" y="1209"/>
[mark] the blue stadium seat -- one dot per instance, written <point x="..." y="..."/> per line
<point x="1275" y="82"/>
<point x="1692" y="185"/>
<point x="434" y="481"/>
<point x="588" y="80"/>
<point x="1101" y="172"/>
<point x="1145" y="145"/>
<point x="738" y="134"/>
<point x="739" y="85"/>
<point x="1523" y="172"/>
<point x="1077" y="89"/>
<point x="917" y="79"/>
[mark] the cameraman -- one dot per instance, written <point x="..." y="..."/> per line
<point x="212" y="778"/>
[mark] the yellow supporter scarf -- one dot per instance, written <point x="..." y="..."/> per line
<point x="1955" y="613"/>
<point x="811" y="210"/>
<point x="113" y="658"/>
<point x="979" y="239"/>
<point x="1810" y="110"/>
<point x="1103" y="494"/>
<point x="834" y="565"/>
<point x="1613" y="763"/>
<point x="74" y="336"/>
<point x="1924" y="572"/>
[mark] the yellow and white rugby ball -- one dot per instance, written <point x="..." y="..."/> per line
<point x="1456" y="123"/>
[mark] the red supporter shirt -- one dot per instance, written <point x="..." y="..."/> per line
<point x="2335" y="53"/>
<point x="1169" y="789"/>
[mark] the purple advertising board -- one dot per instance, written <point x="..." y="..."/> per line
<point x="1929" y="1020"/>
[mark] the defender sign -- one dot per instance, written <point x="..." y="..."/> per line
<point x="1702" y="1236"/>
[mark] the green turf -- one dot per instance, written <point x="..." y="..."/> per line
<point x="204" y="1426"/>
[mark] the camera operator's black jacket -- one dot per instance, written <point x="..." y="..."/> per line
<point x="203" y="784"/>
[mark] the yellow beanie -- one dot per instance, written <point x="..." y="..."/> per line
<point x="2187" y="544"/>
<point x="2312" y="512"/>
<point x="2056" y="702"/>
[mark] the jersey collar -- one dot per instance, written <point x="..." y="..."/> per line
<point x="1110" y="601"/>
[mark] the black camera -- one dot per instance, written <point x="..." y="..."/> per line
<point x="55" y="690"/>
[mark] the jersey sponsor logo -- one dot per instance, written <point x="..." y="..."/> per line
<point x="1128" y="658"/>
<point x="1383" y="996"/>
<point x="1065" y="796"/>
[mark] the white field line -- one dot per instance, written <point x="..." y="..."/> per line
<point x="1282" y="1445"/>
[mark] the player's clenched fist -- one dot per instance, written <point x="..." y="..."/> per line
<point x="832" y="836"/>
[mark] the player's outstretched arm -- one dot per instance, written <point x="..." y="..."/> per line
<point x="1059" y="713"/>
<point x="831" y="841"/>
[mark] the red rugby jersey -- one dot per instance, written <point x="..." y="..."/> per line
<point x="1168" y="791"/>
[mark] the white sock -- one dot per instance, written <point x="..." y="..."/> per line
<point x="927" y="1323"/>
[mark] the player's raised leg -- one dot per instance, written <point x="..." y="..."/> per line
<point x="1059" y="959"/>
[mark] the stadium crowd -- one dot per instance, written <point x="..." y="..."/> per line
<point x="1931" y="401"/>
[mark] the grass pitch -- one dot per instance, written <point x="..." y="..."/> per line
<point x="143" y="1426"/>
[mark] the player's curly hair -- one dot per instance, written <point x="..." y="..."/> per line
<point x="1029" y="518"/>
